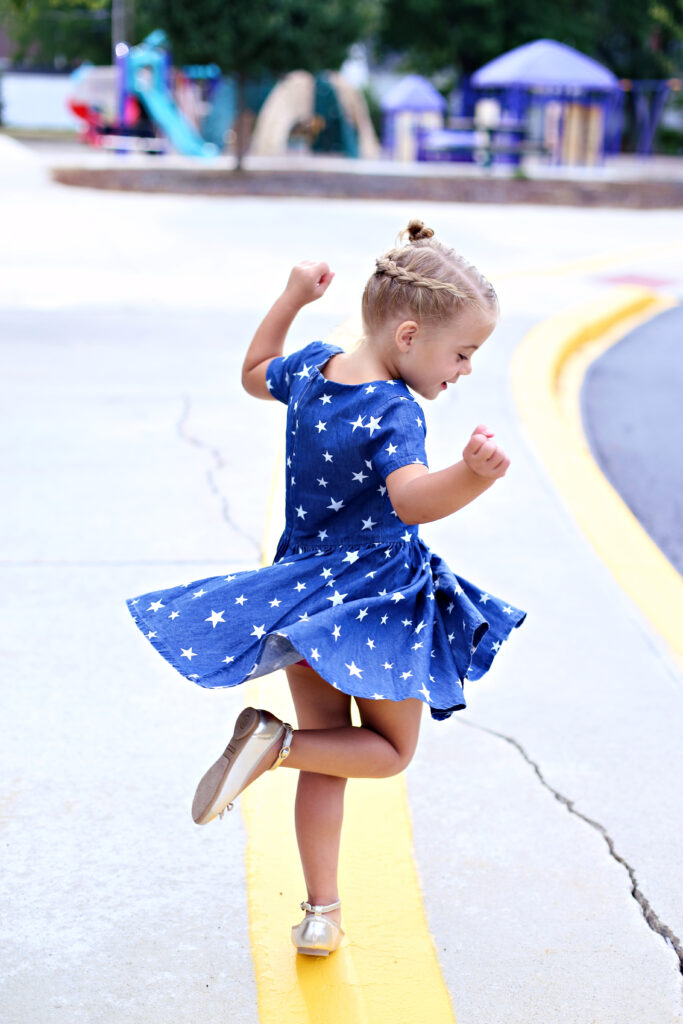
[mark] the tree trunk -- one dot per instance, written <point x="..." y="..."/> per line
<point x="240" y="122"/>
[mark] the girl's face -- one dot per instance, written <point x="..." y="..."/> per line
<point x="432" y="357"/>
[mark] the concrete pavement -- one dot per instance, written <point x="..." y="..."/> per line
<point x="129" y="451"/>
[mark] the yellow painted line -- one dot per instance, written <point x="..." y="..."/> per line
<point x="386" y="970"/>
<point x="547" y="370"/>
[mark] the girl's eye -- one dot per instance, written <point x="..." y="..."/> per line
<point x="461" y="356"/>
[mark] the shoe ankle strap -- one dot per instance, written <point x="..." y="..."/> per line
<point x="284" y="750"/>
<point x="313" y="909"/>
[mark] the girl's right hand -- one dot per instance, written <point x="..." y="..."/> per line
<point x="308" y="281"/>
<point x="483" y="456"/>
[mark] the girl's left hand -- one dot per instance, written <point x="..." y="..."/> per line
<point x="308" y="281"/>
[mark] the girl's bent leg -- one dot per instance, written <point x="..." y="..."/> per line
<point x="383" y="746"/>
<point x="319" y="806"/>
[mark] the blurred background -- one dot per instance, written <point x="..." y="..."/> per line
<point x="478" y="82"/>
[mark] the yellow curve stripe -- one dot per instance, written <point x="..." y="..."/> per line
<point x="547" y="371"/>
<point x="386" y="970"/>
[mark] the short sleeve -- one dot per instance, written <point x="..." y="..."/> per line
<point x="400" y="440"/>
<point x="284" y="370"/>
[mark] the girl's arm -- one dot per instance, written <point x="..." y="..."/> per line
<point x="419" y="496"/>
<point x="307" y="282"/>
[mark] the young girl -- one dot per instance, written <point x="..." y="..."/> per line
<point x="354" y="605"/>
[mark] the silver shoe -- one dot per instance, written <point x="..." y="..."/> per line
<point x="317" y="935"/>
<point x="257" y="734"/>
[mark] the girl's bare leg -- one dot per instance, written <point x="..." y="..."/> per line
<point x="319" y="808"/>
<point x="327" y="750"/>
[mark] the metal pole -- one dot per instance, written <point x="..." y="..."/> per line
<point x="118" y="23"/>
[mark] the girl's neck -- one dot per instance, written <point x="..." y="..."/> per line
<point x="361" y="365"/>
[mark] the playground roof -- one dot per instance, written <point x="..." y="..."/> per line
<point x="545" y="63"/>
<point x="412" y="93"/>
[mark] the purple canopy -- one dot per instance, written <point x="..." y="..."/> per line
<point x="545" y="63"/>
<point x="412" y="93"/>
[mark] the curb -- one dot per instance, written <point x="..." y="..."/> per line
<point x="547" y="371"/>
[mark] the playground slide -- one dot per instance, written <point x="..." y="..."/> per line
<point x="173" y="124"/>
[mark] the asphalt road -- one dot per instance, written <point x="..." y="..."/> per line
<point x="132" y="459"/>
<point x="632" y="407"/>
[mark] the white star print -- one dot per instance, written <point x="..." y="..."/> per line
<point x="378" y="696"/>
<point x="407" y="536"/>
<point x="151" y="634"/>
<point x="155" y="606"/>
<point x="269" y="384"/>
<point x="301" y="513"/>
<point x="304" y="372"/>
<point x="420" y="626"/>
<point x="406" y="622"/>
<point x="198" y="593"/>
<point x="337" y="598"/>
<point x="369" y="389"/>
<point x="358" y="423"/>
<point x="383" y="620"/>
<point x="304" y="617"/>
<point x="322" y="534"/>
<point x="289" y="462"/>
<point x="406" y="675"/>
<point x="360" y="476"/>
<point x="241" y="599"/>
<point x="398" y="596"/>
<point x="322" y="482"/>
<point x="451" y="637"/>
<point x="495" y="646"/>
<point x="215" y="617"/>
<point x="450" y="608"/>
<point x="369" y="523"/>
<point x="361" y="614"/>
<point x="315" y="654"/>
<point x="354" y="670"/>
<point x="274" y="603"/>
<point x="507" y="609"/>
<point x="229" y="579"/>
<point x="258" y="631"/>
<point x="335" y="505"/>
<point x="373" y="425"/>
<point x="227" y="659"/>
<point x="325" y="399"/>
<point x="381" y="593"/>
<point x="370" y="643"/>
<point x="382" y="489"/>
<point x="326" y="573"/>
<point x="351" y="557"/>
<point x="388" y="664"/>
<point x="187" y="653"/>
<point x="417" y="645"/>
<point x="335" y="632"/>
<point x="327" y="457"/>
<point x="300" y="586"/>
<point x="174" y="615"/>
<point x="425" y="692"/>
<point x="483" y="598"/>
<point x="371" y="574"/>
<point x="320" y="426"/>
<point x="418" y="421"/>
<point x="392" y="449"/>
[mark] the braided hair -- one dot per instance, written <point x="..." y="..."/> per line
<point x="425" y="279"/>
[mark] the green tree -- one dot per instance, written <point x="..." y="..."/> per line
<point x="635" y="39"/>
<point x="61" y="31"/>
<point x="252" y="38"/>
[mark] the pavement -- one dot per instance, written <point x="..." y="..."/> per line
<point x="132" y="460"/>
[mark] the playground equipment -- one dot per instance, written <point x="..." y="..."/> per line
<point x="412" y="108"/>
<point x="126" y="106"/>
<point x="574" y="95"/>
<point x="324" y="113"/>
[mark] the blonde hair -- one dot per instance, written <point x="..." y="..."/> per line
<point x="426" y="279"/>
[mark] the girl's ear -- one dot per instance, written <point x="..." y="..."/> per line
<point x="405" y="335"/>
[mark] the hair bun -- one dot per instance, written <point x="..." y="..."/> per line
<point x="416" y="230"/>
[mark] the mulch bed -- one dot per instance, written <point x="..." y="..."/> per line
<point x="643" y="195"/>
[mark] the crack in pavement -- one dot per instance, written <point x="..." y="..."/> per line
<point x="210" y="473"/>
<point x="651" y="918"/>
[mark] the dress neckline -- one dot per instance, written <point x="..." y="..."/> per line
<point x="363" y="384"/>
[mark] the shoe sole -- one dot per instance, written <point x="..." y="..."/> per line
<point x="213" y="793"/>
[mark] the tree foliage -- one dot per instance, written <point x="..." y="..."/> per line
<point x="634" y="38"/>
<point x="66" y="31"/>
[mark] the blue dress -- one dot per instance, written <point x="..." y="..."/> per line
<point x="352" y="590"/>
